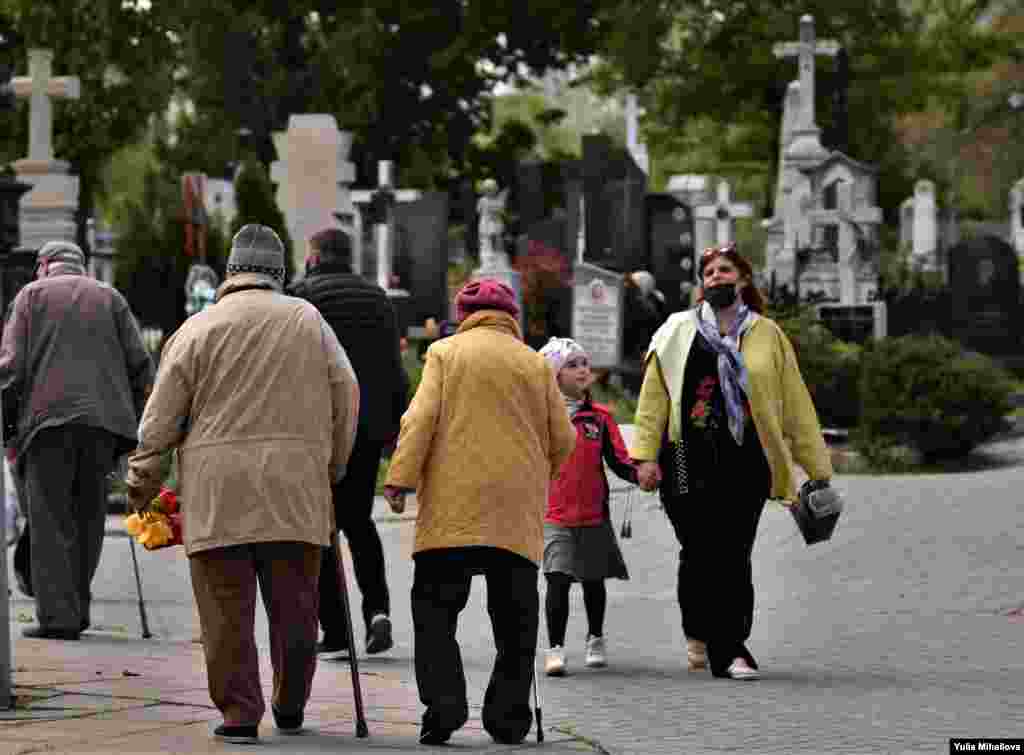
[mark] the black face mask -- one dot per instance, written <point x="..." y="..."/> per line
<point x="720" y="296"/>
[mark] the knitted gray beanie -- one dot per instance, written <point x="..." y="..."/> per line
<point x="257" y="249"/>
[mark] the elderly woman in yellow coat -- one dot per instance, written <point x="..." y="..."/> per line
<point x="723" y="412"/>
<point x="485" y="433"/>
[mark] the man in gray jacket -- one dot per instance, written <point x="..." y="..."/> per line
<point x="73" y="351"/>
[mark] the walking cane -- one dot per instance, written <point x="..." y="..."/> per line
<point x="536" y="701"/>
<point x="362" y="731"/>
<point x="138" y="587"/>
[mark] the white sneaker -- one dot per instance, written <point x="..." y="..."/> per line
<point x="739" y="669"/>
<point x="595" y="653"/>
<point x="554" y="661"/>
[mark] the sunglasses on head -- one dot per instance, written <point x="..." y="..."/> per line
<point x="714" y="251"/>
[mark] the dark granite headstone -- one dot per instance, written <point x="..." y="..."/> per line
<point x="985" y="293"/>
<point x="670" y="239"/>
<point x="614" y="189"/>
<point x="529" y="194"/>
<point x="421" y="258"/>
<point x="17" y="266"/>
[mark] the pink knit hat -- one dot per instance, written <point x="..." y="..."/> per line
<point x="485" y="293"/>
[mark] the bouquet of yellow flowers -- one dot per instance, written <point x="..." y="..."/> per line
<point x="159" y="526"/>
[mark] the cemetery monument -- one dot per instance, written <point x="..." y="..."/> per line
<point x="48" y="210"/>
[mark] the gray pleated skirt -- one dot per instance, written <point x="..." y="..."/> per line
<point x="584" y="553"/>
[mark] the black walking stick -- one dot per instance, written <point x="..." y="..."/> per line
<point x="536" y="701"/>
<point x="138" y="586"/>
<point x="362" y="731"/>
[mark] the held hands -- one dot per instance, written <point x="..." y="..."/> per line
<point x="648" y="475"/>
<point x="395" y="497"/>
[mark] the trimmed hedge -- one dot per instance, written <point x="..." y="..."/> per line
<point x="926" y="392"/>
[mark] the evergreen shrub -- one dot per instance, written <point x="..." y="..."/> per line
<point x="830" y="367"/>
<point x="927" y="393"/>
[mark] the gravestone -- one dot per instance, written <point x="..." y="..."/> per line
<point x="692" y="190"/>
<point x="925" y="241"/>
<point x="101" y="255"/>
<point x="1017" y="217"/>
<point x="985" y="295"/>
<point x="377" y="235"/>
<point x="672" y="252"/>
<point x="529" y="193"/>
<point x="614" y="190"/>
<point x="421" y="258"/>
<point x="597" y="314"/>
<point x="48" y="209"/>
<point x="716" y="221"/>
<point x="846" y="222"/>
<point x="907" y="225"/>
<point x="17" y="264"/>
<point x="859" y="323"/>
<point x="307" y="176"/>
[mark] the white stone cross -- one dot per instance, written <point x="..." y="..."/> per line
<point x="40" y="88"/>
<point x="722" y="212"/>
<point x="804" y="51"/>
<point x="636" y="148"/>
<point x="849" y="219"/>
<point x="385" y="231"/>
<point x="1017" y="217"/>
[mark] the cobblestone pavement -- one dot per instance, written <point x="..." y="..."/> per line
<point x="903" y="631"/>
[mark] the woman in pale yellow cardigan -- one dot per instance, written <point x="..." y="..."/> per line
<point x="723" y="414"/>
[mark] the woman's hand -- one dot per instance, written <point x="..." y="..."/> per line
<point x="648" y="475"/>
<point x="395" y="497"/>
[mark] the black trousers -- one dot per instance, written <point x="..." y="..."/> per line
<point x="66" y="470"/>
<point x="716" y="531"/>
<point x="353" y="512"/>
<point x="439" y="593"/>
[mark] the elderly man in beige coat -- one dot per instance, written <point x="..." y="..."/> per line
<point x="486" y="432"/>
<point x="261" y="402"/>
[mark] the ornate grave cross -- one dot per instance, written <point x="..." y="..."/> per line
<point x="723" y="211"/>
<point x="385" y="231"/>
<point x="40" y="88"/>
<point x="849" y="219"/>
<point x="804" y="50"/>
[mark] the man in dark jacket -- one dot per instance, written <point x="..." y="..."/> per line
<point x="73" y="351"/>
<point x="364" y="321"/>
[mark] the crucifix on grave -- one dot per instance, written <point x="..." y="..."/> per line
<point x="722" y="214"/>
<point x="40" y="88"/>
<point x="849" y="221"/>
<point x="805" y="144"/>
<point x="47" y="212"/>
<point x="382" y="201"/>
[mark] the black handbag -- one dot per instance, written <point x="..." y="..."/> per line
<point x="816" y="511"/>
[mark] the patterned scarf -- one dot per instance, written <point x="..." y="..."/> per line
<point x="732" y="372"/>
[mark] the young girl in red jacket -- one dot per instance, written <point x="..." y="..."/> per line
<point x="579" y="540"/>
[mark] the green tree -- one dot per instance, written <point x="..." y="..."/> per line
<point x="410" y="80"/>
<point x="125" y="57"/>
<point x="151" y="262"/>
<point x="708" y="76"/>
<point x="254" y="200"/>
